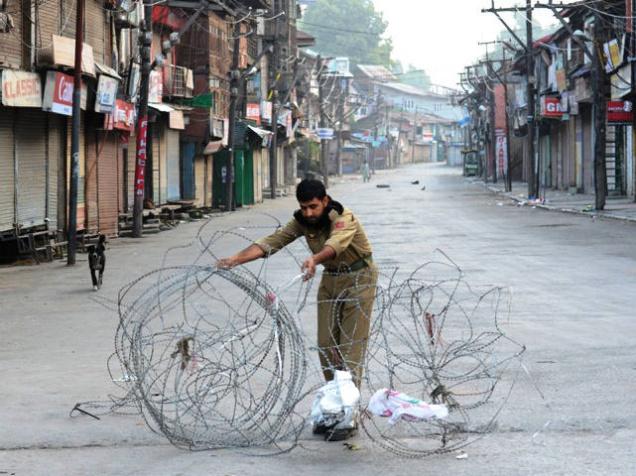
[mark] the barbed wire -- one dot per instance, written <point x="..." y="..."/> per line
<point x="220" y="359"/>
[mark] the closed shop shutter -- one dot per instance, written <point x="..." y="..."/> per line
<point x="158" y="156"/>
<point x="56" y="126"/>
<point x="7" y="167"/>
<point x="131" y="162"/>
<point x="173" y="191"/>
<point x="30" y="151"/>
<point x="209" y="174"/>
<point x="90" y="179"/>
<point x="123" y="157"/>
<point x="187" y="153"/>
<point x="199" y="179"/>
<point x="108" y="183"/>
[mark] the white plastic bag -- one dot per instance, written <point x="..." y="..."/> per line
<point x="336" y="403"/>
<point x="397" y="405"/>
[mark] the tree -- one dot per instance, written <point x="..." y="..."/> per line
<point x="416" y="77"/>
<point x="351" y="28"/>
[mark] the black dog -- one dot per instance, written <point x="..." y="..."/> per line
<point x="97" y="262"/>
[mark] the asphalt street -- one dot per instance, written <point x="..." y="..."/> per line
<point x="572" y="281"/>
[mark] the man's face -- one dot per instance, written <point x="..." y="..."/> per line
<point x="314" y="209"/>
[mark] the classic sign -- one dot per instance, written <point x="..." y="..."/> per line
<point x="21" y="89"/>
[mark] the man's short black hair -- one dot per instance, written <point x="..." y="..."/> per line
<point x="308" y="189"/>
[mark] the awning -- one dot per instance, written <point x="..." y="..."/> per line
<point x="159" y="106"/>
<point x="213" y="147"/>
<point x="260" y="132"/>
<point x="107" y="70"/>
<point x="181" y="107"/>
<point x="263" y="134"/>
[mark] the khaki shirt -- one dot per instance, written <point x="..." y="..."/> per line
<point x="345" y="235"/>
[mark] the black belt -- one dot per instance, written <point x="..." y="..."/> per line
<point x="351" y="268"/>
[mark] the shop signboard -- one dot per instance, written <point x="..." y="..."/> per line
<point x="21" y="89"/>
<point x="155" y="87"/>
<point x="106" y="94"/>
<point x="58" y="93"/>
<point x="620" y="112"/>
<point x="324" y="133"/>
<point x="253" y="112"/>
<point x="551" y="107"/>
<point x="124" y="116"/>
<point x="266" y="111"/>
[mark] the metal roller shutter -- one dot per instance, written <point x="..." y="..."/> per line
<point x="172" y="166"/>
<point x="7" y="170"/>
<point x="55" y="153"/>
<point x="107" y="182"/>
<point x="90" y="178"/>
<point x="199" y="180"/>
<point x="30" y="149"/>
<point x="158" y="152"/>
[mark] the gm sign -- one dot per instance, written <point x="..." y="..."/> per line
<point x="551" y="107"/>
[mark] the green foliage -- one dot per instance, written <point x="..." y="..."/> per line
<point x="352" y="28"/>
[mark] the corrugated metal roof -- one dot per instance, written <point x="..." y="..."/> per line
<point x="377" y="72"/>
<point x="408" y="89"/>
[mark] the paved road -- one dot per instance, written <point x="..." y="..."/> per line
<point x="573" y="282"/>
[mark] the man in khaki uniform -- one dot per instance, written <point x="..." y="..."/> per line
<point x="347" y="288"/>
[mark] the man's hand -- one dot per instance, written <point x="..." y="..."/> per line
<point x="309" y="268"/>
<point x="227" y="263"/>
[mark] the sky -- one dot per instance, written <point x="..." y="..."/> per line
<point x="441" y="36"/>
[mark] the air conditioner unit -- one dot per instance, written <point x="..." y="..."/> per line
<point x="179" y="81"/>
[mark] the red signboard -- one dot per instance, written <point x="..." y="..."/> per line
<point x="140" y="165"/>
<point x="620" y="112"/>
<point x="58" y="93"/>
<point x="551" y="107"/>
<point x="124" y="116"/>
<point x="253" y="112"/>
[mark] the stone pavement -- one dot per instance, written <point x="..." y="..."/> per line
<point x="573" y="281"/>
<point x="617" y="208"/>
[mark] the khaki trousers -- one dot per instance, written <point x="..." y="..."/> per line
<point x="345" y="304"/>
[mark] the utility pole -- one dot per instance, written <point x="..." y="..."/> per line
<point x="235" y="79"/>
<point x="508" y="159"/>
<point x="324" y="165"/>
<point x="274" y="66"/>
<point x="142" y="120"/>
<point x="492" y="113"/>
<point x="600" y="105"/>
<point x="530" y="92"/>
<point x="532" y="190"/>
<point x="75" y="135"/>
<point x="388" y="137"/>
<point x="414" y="137"/>
<point x="629" y="13"/>
<point x="398" y="154"/>
<point x="341" y="99"/>
<point x="504" y="82"/>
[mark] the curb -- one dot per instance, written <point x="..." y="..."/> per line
<point x="571" y="211"/>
